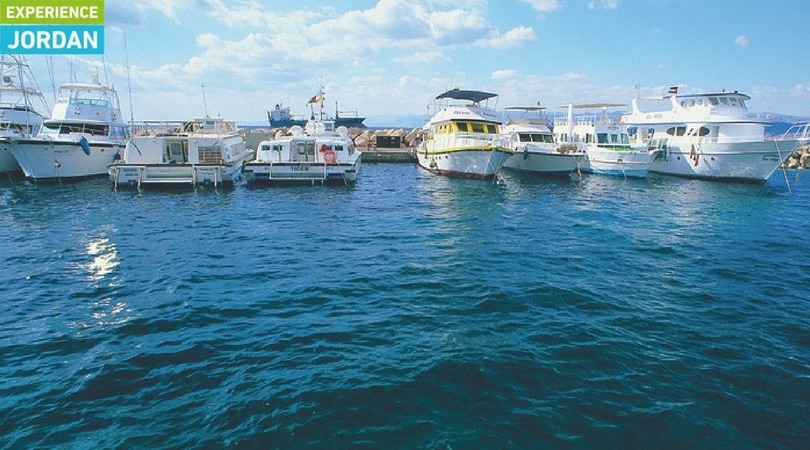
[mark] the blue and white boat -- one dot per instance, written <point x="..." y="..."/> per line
<point x="85" y="134"/>
<point x="21" y="107"/>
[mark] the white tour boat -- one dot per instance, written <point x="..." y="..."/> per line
<point x="18" y="115"/>
<point x="535" y="149"/>
<point x="708" y="136"/>
<point x="316" y="154"/>
<point x="463" y="140"/>
<point x="605" y="142"/>
<point x="204" y="151"/>
<point x="84" y="135"/>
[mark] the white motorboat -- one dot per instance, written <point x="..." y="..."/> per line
<point x="707" y="136"/>
<point x="85" y="134"/>
<point x="19" y="116"/>
<point x="535" y="149"/>
<point x="463" y="140"/>
<point x="316" y="154"/>
<point x="605" y="142"/>
<point x="203" y="151"/>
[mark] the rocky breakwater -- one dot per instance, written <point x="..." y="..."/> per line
<point x="800" y="159"/>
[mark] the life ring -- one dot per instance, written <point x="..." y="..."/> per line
<point x="329" y="156"/>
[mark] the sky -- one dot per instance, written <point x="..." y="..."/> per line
<point x="387" y="59"/>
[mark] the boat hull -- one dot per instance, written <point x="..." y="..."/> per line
<point x="752" y="162"/>
<point x="627" y="163"/>
<point x="471" y="162"/>
<point x="50" y="160"/>
<point x="164" y="175"/>
<point x="263" y="172"/>
<point x="542" y="163"/>
<point x="8" y="163"/>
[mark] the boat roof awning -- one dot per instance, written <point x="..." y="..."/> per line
<point x="474" y="96"/>
<point x="712" y="94"/>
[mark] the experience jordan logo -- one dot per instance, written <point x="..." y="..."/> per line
<point x="52" y="26"/>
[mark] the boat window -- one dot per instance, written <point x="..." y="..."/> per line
<point x="477" y="128"/>
<point x="338" y="148"/>
<point x="625" y="139"/>
<point x="548" y="138"/>
<point x="492" y="129"/>
<point x="714" y="101"/>
<point x="210" y="155"/>
<point x="724" y="100"/>
<point x="265" y="147"/>
<point x="602" y="138"/>
<point x="277" y="147"/>
<point x="676" y="131"/>
<point x="703" y="131"/>
<point x="614" y="138"/>
<point x="462" y="126"/>
<point x="525" y="137"/>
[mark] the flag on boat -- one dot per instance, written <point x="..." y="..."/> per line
<point x="316" y="99"/>
<point x="673" y="89"/>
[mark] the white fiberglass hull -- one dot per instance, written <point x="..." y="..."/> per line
<point x="44" y="160"/>
<point x="481" y="162"/>
<point x="740" y="161"/>
<point x="7" y="161"/>
<point x="142" y="175"/>
<point x="619" y="162"/>
<point x="264" y="172"/>
<point x="542" y="163"/>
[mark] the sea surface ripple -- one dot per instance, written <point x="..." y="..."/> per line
<point x="408" y="311"/>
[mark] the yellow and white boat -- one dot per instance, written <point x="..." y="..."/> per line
<point x="463" y="140"/>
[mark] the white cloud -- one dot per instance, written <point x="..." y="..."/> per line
<point x="544" y="6"/>
<point x="604" y="4"/>
<point x="514" y="38"/>
<point x="741" y="41"/>
<point x="420" y="58"/>
<point x="504" y="74"/>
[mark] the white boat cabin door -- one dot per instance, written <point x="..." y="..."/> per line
<point x="176" y="152"/>
<point x="302" y="151"/>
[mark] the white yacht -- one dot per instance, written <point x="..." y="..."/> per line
<point x="605" y="142"/>
<point x="535" y="149"/>
<point x="707" y="136"/>
<point x="463" y="139"/>
<point x="316" y="154"/>
<point x="204" y="151"/>
<point x="21" y="106"/>
<point x="85" y="134"/>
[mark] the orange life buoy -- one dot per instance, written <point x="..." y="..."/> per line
<point x="329" y="156"/>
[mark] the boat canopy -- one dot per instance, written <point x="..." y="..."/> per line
<point x="712" y="94"/>
<point x="474" y="96"/>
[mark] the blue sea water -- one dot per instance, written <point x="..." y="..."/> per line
<point x="408" y="311"/>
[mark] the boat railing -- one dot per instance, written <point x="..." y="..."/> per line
<point x="196" y="126"/>
<point x="799" y="131"/>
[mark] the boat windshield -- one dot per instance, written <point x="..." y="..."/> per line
<point x="56" y="128"/>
